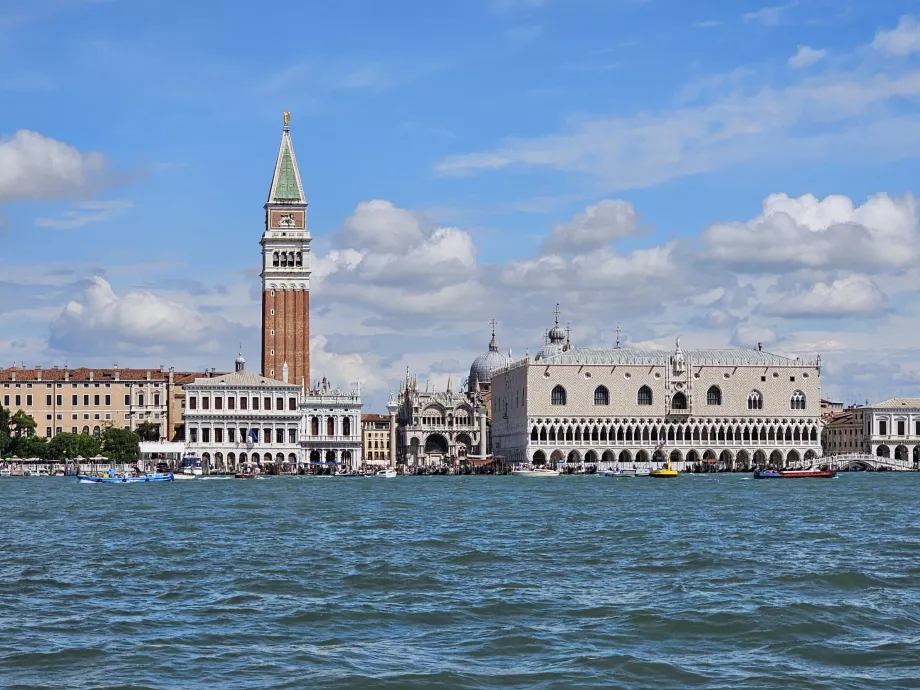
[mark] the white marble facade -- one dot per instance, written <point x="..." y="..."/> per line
<point x="241" y="418"/>
<point x="726" y="409"/>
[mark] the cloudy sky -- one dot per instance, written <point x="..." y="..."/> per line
<point x="728" y="171"/>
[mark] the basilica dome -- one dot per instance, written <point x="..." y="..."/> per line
<point x="485" y="365"/>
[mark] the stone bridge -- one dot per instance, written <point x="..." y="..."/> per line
<point x="844" y="461"/>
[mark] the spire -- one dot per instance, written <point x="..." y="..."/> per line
<point x="618" y="335"/>
<point x="286" y="186"/>
<point x="240" y="362"/>
<point x="493" y="345"/>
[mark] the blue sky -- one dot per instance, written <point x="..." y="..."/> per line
<point x="464" y="160"/>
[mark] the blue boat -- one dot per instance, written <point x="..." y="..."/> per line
<point x="767" y="474"/>
<point x="112" y="478"/>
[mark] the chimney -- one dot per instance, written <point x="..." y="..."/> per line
<point x="759" y="347"/>
<point x="148" y="374"/>
<point x="38" y="373"/>
<point x="14" y="376"/>
<point x="92" y="375"/>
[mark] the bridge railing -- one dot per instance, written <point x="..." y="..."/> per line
<point x="844" y="460"/>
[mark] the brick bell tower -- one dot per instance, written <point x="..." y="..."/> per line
<point x="286" y="271"/>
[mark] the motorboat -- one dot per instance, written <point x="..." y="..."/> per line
<point x="387" y="473"/>
<point x="5" y="472"/>
<point x="643" y="472"/>
<point x="619" y="472"/>
<point x="664" y="472"/>
<point x="41" y="472"/>
<point x="112" y="478"/>
<point x="528" y="471"/>
<point x="191" y="465"/>
<point x="794" y="474"/>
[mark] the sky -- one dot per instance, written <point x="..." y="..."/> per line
<point x="731" y="172"/>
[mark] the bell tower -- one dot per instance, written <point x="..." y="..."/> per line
<point x="286" y="271"/>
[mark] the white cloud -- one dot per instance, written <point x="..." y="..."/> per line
<point x="850" y="296"/>
<point x="35" y="167"/>
<point x="904" y="39"/>
<point x="771" y="16"/>
<point x="807" y="232"/>
<point x="85" y="213"/>
<point x="596" y="227"/>
<point x="101" y="320"/>
<point x="805" y="56"/>
<point x="849" y="115"/>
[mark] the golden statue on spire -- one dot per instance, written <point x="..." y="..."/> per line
<point x="287" y="118"/>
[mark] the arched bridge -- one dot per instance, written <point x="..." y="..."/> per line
<point x="844" y="461"/>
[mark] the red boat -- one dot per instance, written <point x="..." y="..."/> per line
<point x="795" y="474"/>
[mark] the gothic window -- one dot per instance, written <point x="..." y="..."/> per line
<point x="534" y="434"/>
<point x="558" y="396"/>
<point x="679" y="401"/>
<point x="644" y="397"/>
<point x="714" y="396"/>
<point x="601" y="396"/>
<point x="755" y="401"/>
<point x="797" y="401"/>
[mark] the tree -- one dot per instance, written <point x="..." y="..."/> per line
<point x="120" y="445"/>
<point x="88" y="445"/>
<point x="29" y="447"/>
<point x="23" y="424"/>
<point x="4" y="430"/>
<point x="63" y="446"/>
<point x="148" y="431"/>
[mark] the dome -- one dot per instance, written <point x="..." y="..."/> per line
<point x="486" y="364"/>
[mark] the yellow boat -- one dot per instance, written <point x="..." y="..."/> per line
<point x="664" y="472"/>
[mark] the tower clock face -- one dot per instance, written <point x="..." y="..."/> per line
<point x="286" y="220"/>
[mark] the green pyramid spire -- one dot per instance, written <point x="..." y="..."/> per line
<point x="286" y="187"/>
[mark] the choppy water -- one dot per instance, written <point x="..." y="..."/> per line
<point x="461" y="582"/>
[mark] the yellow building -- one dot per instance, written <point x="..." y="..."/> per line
<point x="375" y="435"/>
<point x="84" y="401"/>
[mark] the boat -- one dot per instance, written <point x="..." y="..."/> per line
<point x="664" y="472"/>
<point x="388" y="473"/>
<point x="528" y="471"/>
<point x="643" y="472"/>
<point x="112" y="478"/>
<point x="41" y="472"/>
<point x="246" y="475"/>
<point x="619" y="472"/>
<point x="794" y="474"/>
<point x="5" y="472"/>
<point x="191" y="465"/>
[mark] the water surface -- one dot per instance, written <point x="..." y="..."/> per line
<point x="461" y="582"/>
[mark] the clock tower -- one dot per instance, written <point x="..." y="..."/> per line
<point x="286" y="271"/>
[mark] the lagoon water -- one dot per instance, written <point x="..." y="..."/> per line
<point x="461" y="582"/>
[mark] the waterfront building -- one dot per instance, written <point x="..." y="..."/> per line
<point x="84" y="400"/>
<point x="844" y="430"/>
<point x="375" y="436"/>
<point x="434" y="428"/>
<point x="243" y="418"/>
<point x="278" y="418"/>
<point x="892" y="429"/>
<point x="727" y="408"/>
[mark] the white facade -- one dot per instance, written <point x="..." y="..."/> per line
<point x="728" y="409"/>
<point x="892" y="429"/>
<point x="242" y="418"/>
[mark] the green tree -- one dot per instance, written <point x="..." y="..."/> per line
<point x="29" y="447"/>
<point x="120" y="445"/>
<point x="148" y="431"/>
<point x="22" y="424"/>
<point x="4" y="430"/>
<point x="64" y="445"/>
<point x="88" y="445"/>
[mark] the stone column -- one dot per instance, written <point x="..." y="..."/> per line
<point x="391" y="408"/>
<point x="483" y="441"/>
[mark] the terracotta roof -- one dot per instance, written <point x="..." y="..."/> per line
<point x="82" y="374"/>
<point x="371" y="417"/>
